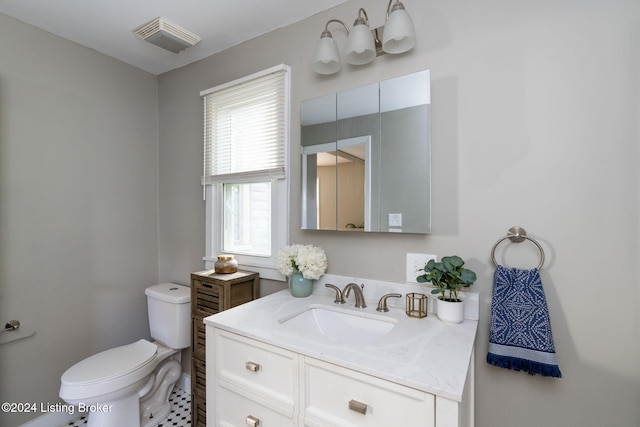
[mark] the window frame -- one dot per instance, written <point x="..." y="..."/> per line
<point x="213" y="193"/>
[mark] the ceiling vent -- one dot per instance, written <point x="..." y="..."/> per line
<point x="167" y="35"/>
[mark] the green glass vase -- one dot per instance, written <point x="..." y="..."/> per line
<point x="299" y="286"/>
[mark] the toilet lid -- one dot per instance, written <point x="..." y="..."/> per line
<point x="110" y="363"/>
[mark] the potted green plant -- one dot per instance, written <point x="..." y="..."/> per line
<point x="448" y="276"/>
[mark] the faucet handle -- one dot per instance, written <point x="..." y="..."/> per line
<point x="339" y="296"/>
<point x="382" y="304"/>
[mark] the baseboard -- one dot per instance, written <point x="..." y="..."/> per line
<point x="184" y="382"/>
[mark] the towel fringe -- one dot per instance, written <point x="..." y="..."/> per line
<point x="517" y="364"/>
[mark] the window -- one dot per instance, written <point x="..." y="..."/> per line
<point x="247" y="218"/>
<point x="246" y="132"/>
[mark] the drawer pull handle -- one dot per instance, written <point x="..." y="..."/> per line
<point x="359" y="407"/>
<point x="252" y="366"/>
<point x="253" y="421"/>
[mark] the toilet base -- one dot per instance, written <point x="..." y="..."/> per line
<point x="146" y="411"/>
<point x="152" y="420"/>
<point x="155" y="405"/>
<point x="123" y="412"/>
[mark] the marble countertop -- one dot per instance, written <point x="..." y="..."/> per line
<point x="425" y="354"/>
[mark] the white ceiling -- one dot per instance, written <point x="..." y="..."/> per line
<point x="107" y="26"/>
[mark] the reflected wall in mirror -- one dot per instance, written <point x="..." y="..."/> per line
<point x="366" y="158"/>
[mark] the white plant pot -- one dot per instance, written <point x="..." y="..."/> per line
<point x="450" y="312"/>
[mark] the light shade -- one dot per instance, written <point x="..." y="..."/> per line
<point x="399" y="34"/>
<point x="361" y="48"/>
<point x="327" y="57"/>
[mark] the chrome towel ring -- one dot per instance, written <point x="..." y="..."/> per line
<point x="517" y="235"/>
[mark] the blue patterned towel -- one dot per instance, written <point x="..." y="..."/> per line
<point x="520" y="331"/>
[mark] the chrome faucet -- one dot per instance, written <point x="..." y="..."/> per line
<point x="382" y="304"/>
<point x="339" y="296"/>
<point x="357" y="290"/>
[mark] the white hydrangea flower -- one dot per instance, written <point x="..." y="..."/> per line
<point x="312" y="262"/>
<point x="286" y="260"/>
<point x="309" y="260"/>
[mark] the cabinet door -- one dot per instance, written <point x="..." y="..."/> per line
<point x="335" y="396"/>
<point x="242" y="411"/>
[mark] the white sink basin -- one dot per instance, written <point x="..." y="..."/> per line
<point x="340" y="324"/>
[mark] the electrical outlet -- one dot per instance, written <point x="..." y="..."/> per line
<point x="416" y="262"/>
<point x="395" y="220"/>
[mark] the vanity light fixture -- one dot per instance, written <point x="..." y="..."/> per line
<point x="363" y="44"/>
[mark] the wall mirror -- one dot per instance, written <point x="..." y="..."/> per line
<point x="366" y="158"/>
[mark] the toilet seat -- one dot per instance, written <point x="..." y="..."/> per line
<point x="109" y="370"/>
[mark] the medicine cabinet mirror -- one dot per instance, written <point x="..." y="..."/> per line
<point x="366" y="158"/>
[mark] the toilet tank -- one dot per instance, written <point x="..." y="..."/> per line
<point x="169" y="307"/>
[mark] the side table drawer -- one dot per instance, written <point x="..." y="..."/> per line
<point x="261" y="369"/>
<point x="198" y="339"/>
<point x="335" y="396"/>
<point x="208" y="299"/>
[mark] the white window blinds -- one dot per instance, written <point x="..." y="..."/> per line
<point x="246" y="127"/>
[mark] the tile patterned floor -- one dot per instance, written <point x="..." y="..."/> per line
<point x="180" y="415"/>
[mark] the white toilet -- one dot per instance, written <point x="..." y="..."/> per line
<point x="130" y="385"/>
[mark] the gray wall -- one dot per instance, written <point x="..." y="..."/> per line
<point x="78" y="206"/>
<point x="535" y="123"/>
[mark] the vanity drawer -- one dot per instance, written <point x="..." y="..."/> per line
<point x="335" y="396"/>
<point x="261" y="369"/>
<point x="241" y="411"/>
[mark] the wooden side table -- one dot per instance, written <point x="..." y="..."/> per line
<point x="212" y="293"/>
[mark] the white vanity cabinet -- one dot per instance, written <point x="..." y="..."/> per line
<point x="257" y="384"/>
